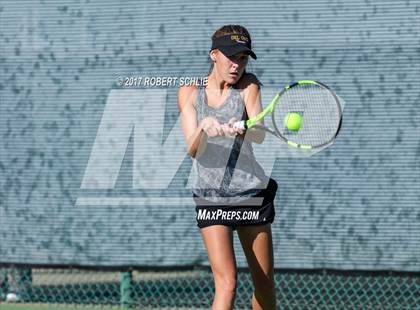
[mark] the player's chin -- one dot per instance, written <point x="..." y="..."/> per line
<point x="233" y="78"/>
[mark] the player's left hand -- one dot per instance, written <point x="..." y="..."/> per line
<point x="229" y="130"/>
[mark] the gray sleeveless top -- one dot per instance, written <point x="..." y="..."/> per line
<point x="226" y="171"/>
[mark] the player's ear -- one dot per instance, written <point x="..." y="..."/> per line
<point x="213" y="54"/>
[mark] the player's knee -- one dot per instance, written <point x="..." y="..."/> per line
<point x="226" y="283"/>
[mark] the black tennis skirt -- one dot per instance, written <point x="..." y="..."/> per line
<point x="257" y="210"/>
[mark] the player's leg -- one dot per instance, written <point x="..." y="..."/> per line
<point x="218" y="240"/>
<point x="258" y="248"/>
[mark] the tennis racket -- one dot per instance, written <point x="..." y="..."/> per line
<point x="313" y="104"/>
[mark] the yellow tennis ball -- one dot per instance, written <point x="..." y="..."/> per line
<point x="293" y="121"/>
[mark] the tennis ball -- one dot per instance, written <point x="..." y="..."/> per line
<point x="293" y="121"/>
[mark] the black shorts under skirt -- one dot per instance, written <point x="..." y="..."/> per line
<point x="240" y="214"/>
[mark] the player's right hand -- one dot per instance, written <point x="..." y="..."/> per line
<point x="211" y="126"/>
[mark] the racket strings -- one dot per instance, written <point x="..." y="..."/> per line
<point x="320" y="121"/>
<point x="319" y="110"/>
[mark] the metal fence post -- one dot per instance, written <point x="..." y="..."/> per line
<point x="126" y="289"/>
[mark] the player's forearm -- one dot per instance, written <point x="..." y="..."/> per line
<point x="197" y="142"/>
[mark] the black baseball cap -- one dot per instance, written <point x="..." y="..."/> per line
<point x="232" y="44"/>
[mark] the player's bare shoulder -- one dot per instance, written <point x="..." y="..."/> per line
<point x="249" y="85"/>
<point x="187" y="94"/>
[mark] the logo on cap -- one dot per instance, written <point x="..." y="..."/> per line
<point x="239" y="38"/>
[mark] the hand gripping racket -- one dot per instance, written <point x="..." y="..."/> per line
<point x="316" y="107"/>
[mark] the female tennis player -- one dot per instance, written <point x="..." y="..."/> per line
<point x="230" y="188"/>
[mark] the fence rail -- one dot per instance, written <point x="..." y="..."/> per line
<point x="174" y="288"/>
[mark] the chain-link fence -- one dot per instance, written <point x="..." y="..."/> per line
<point x="320" y="289"/>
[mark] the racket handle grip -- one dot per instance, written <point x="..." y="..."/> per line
<point x="239" y="125"/>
